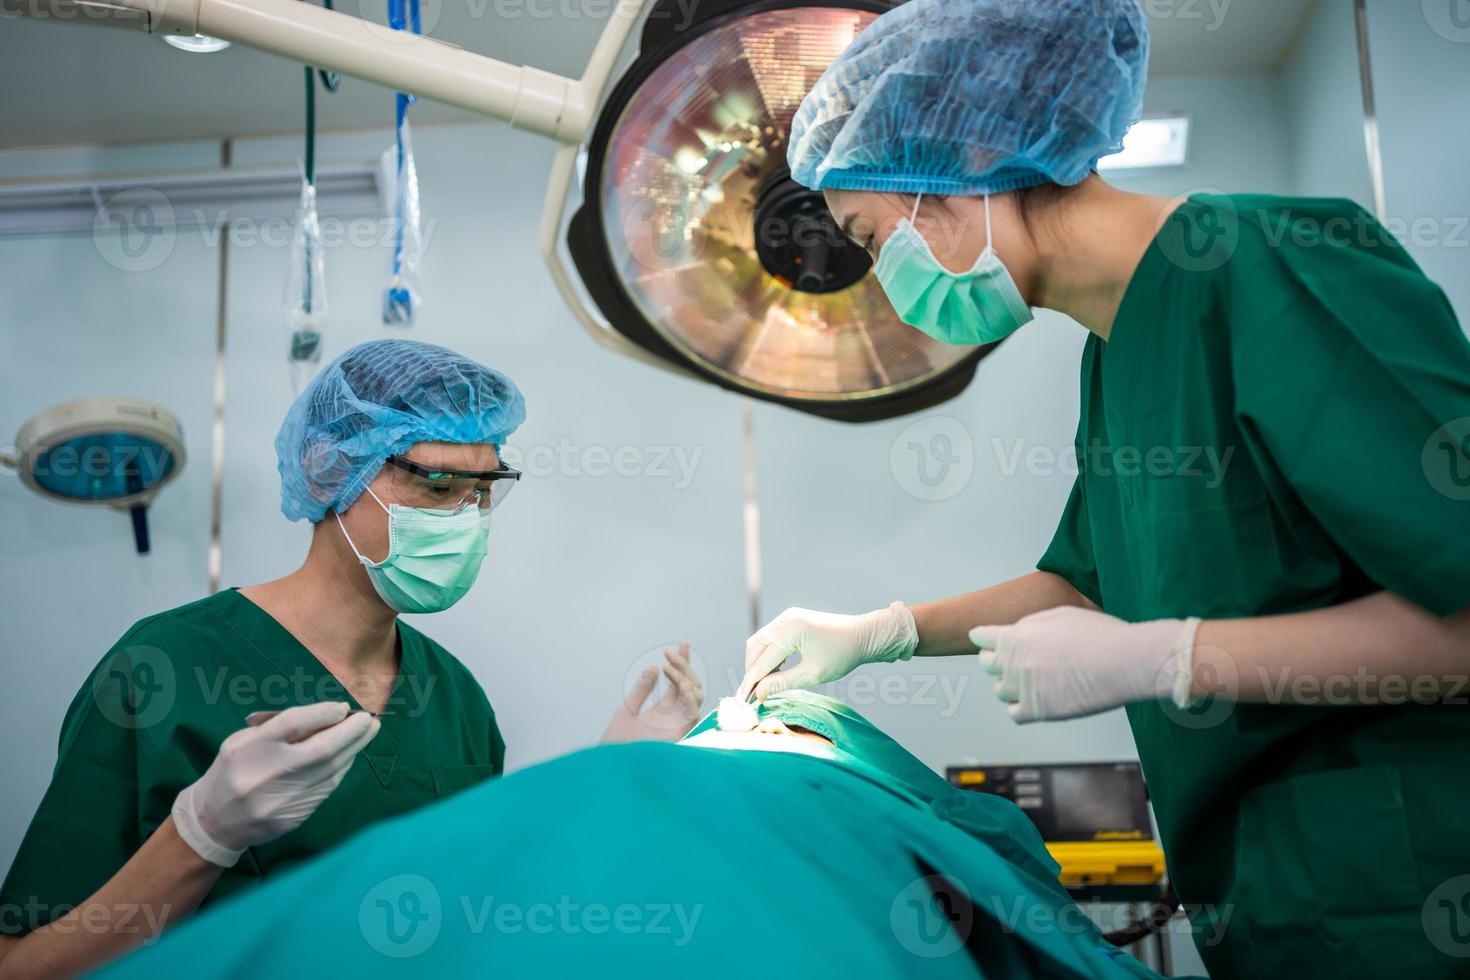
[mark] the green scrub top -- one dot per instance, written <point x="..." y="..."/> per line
<point x="150" y="720"/>
<point x="1260" y="435"/>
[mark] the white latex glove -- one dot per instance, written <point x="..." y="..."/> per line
<point x="831" y="645"/>
<point x="1069" y="662"/>
<point x="670" y="717"/>
<point x="267" y="780"/>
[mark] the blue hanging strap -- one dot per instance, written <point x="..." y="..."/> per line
<point x="398" y="303"/>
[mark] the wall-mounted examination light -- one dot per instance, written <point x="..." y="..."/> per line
<point x="114" y="452"/>
<point x="1151" y="143"/>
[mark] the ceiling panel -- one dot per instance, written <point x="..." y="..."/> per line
<point x="115" y="86"/>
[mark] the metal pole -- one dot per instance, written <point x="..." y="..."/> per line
<point x="1370" y="113"/>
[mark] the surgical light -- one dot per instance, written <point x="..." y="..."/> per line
<point x="697" y="246"/>
<point x="113" y="452"/>
<point x="1151" y="143"/>
<point x="196" y="43"/>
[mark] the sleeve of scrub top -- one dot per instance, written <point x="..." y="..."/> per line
<point x="87" y="826"/>
<point x="1070" y="554"/>
<point x="1352" y="383"/>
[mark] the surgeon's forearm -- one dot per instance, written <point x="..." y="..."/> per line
<point x="944" y="626"/>
<point x="163" y="882"/>
<point x="1381" y="649"/>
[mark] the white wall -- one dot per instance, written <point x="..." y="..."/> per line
<point x="1421" y="76"/>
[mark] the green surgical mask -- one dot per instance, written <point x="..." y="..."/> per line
<point x="433" y="558"/>
<point x="981" y="306"/>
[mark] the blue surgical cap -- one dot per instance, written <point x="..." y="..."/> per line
<point x="375" y="401"/>
<point x="974" y="97"/>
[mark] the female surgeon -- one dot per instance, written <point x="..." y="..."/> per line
<point x="222" y="741"/>
<point x="1290" y="635"/>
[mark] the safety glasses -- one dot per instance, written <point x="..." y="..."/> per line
<point x="451" y="491"/>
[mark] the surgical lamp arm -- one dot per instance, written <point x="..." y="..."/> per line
<point x="525" y="97"/>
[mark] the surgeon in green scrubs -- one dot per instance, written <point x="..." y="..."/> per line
<point x="225" y="740"/>
<point x="1264" y="554"/>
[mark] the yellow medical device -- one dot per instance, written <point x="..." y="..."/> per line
<point x="1093" y="817"/>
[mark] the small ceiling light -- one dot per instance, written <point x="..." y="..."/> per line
<point x="197" y="43"/>
<point x="1152" y="143"/>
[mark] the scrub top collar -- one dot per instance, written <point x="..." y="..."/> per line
<point x="305" y="679"/>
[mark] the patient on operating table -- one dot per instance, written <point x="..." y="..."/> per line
<point x="809" y="843"/>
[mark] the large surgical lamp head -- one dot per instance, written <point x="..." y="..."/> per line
<point x="694" y="251"/>
<point x="114" y="452"/>
<point x="697" y="246"/>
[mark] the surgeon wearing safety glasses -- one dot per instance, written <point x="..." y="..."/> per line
<point x="1289" y="640"/>
<point x="222" y="741"/>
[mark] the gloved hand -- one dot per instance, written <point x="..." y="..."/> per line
<point x="831" y="645"/>
<point x="1069" y="662"/>
<point x="670" y="717"/>
<point x="266" y="781"/>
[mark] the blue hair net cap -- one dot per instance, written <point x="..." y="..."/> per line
<point x="974" y="97"/>
<point x="375" y="401"/>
